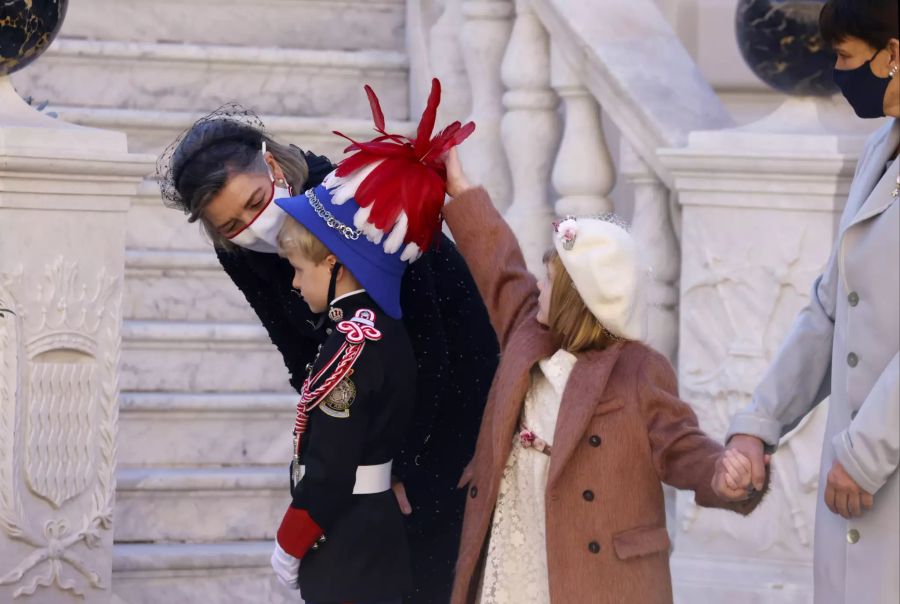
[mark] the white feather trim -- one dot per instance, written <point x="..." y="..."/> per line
<point x="332" y="180"/>
<point x="411" y="253"/>
<point x="395" y="240"/>
<point x="344" y="188"/>
<point x="361" y="222"/>
<point x="361" y="218"/>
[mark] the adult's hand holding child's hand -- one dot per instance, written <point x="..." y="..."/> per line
<point x="733" y="478"/>
<point x="753" y="449"/>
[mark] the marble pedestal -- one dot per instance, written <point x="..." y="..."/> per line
<point x="64" y="193"/>
<point x="760" y="209"/>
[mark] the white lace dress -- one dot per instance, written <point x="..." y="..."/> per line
<point x="515" y="569"/>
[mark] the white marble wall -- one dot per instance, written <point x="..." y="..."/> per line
<point x="758" y="220"/>
<point x="64" y="192"/>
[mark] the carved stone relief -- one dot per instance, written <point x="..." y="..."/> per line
<point x="59" y="354"/>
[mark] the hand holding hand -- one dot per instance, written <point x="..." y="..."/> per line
<point x="843" y="496"/>
<point x="753" y="449"/>
<point x="733" y="478"/>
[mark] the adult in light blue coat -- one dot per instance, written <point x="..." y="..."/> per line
<point x="845" y="343"/>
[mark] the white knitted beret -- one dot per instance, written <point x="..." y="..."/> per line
<point x="603" y="260"/>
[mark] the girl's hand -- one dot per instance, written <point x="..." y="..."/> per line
<point x="456" y="178"/>
<point x="733" y="480"/>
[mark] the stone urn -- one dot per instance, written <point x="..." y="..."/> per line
<point x="780" y="41"/>
<point x="27" y="28"/>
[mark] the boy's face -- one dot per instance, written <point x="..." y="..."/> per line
<point x="312" y="280"/>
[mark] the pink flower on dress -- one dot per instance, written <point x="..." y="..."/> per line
<point x="530" y="440"/>
<point x="527" y="437"/>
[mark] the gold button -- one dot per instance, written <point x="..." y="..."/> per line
<point x="852" y="536"/>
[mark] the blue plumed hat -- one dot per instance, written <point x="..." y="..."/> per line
<point x="381" y="208"/>
<point x="378" y="272"/>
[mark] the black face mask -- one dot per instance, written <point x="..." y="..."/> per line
<point x="864" y="90"/>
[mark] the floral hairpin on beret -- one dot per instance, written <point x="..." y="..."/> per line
<point x="567" y="230"/>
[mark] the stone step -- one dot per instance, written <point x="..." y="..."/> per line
<point x="328" y="24"/>
<point x="181" y="286"/>
<point x="187" y="356"/>
<point x="200" y="504"/>
<point x="227" y="572"/>
<point x="152" y="225"/>
<point x="187" y="77"/>
<point x="214" y="429"/>
<point x="151" y="131"/>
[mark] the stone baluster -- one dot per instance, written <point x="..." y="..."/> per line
<point x="530" y="131"/>
<point x="584" y="174"/>
<point x="652" y="227"/>
<point x="448" y="65"/>
<point x="484" y="38"/>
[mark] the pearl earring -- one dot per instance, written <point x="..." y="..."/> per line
<point x="893" y="71"/>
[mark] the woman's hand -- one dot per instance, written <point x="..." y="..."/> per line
<point x="733" y="477"/>
<point x="843" y="496"/>
<point x="456" y="178"/>
<point x="752" y="448"/>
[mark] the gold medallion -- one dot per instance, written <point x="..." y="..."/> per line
<point x="338" y="402"/>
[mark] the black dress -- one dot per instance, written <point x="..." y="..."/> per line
<point x="456" y="352"/>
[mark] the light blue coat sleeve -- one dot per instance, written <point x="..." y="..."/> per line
<point x="870" y="448"/>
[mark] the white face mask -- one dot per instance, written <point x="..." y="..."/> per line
<point x="261" y="234"/>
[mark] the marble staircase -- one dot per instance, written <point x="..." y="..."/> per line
<point x="205" y="406"/>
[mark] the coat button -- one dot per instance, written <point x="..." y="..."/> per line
<point x="852" y="536"/>
<point x="588" y="495"/>
<point x="594" y="441"/>
<point x="853" y="298"/>
<point x="594" y="547"/>
<point x="473" y="492"/>
<point x="852" y="359"/>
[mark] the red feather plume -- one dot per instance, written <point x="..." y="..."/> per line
<point x="411" y="177"/>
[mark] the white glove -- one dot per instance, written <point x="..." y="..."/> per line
<point x="286" y="567"/>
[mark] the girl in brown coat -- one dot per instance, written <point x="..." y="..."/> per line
<point x="583" y="424"/>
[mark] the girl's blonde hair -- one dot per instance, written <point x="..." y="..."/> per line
<point x="294" y="237"/>
<point x="569" y="319"/>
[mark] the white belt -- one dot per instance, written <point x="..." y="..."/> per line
<point x="369" y="479"/>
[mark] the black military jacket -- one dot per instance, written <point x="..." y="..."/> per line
<point x="362" y="422"/>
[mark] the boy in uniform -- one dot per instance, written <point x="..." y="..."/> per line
<point x="349" y="240"/>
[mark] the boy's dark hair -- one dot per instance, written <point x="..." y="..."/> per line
<point x="874" y="21"/>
